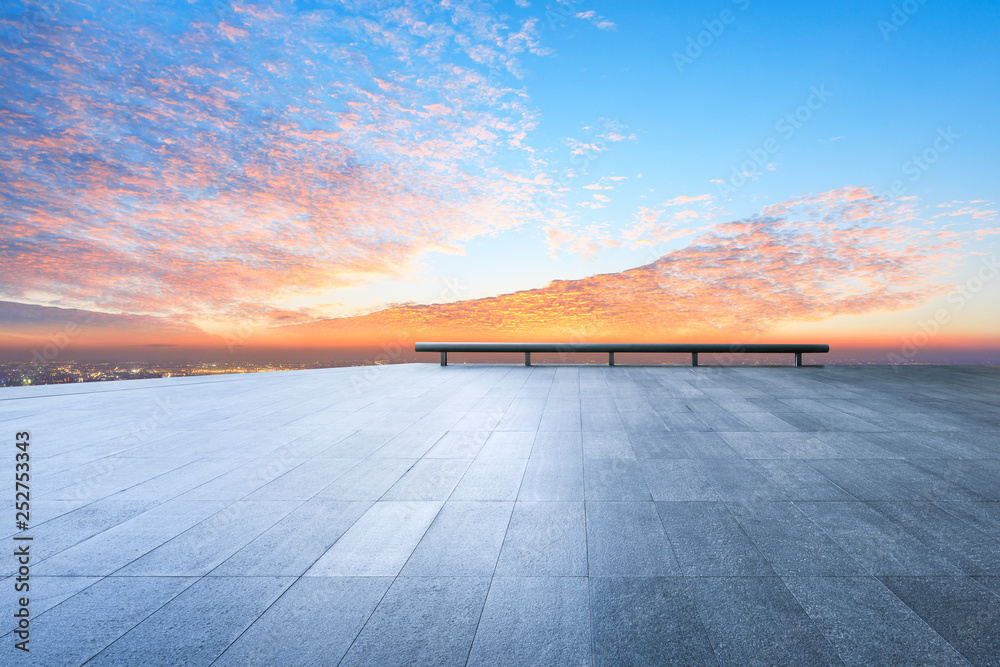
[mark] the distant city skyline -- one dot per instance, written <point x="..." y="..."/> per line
<point x="228" y="178"/>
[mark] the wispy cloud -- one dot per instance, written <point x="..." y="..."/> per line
<point x="656" y="225"/>
<point x="239" y="153"/>
<point x="599" y="22"/>
<point x="840" y="252"/>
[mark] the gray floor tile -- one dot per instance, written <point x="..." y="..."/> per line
<point x="924" y="482"/>
<point x="463" y="541"/>
<point x="644" y="421"/>
<point x="899" y="468"/>
<point x="429" y="479"/>
<point x="626" y="539"/>
<point x="862" y="481"/>
<point x="360" y="445"/>
<point x="380" y="542"/>
<point x="706" y="446"/>
<point x="683" y="422"/>
<point x="755" y="445"/>
<point x="659" y="446"/>
<point x="83" y="625"/>
<point x="709" y="541"/>
<point x="315" y="442"/>
<point x="422" y="621"/>
<point x="767" y="423"/>
<point x="602" y="421"/>
<point x="534" y="620"/>
<point x="853" y="446"/>
<point x="868" y="625"/>
<point x="552" y="479"/>
<point x="368" y="480"/>
<point x="458" y="445"/>
<point x="178" y="481"/>
<point x="979" y="476"/>
<point x="646" y="621"/>
<point x="560" y="421"/>
<point x="737" y="480"/>
<point x="792" y="543"/>
<point x="959" y="609"/>
<point x="491" y="479"/>
<point x="757" y="621"/>
<point x="880" y="545"/>
<point x="242" y="481"/>
<point x="676" y="480"/>
<point x="44" y="593"/>
<point x="319" y="616"/>
<point x="607" y="445"/>
<point x="562" y="405"/>
<point x="508" y="445"/>
<point x="563" y="445"/>
<point x="614" y="479"/>
<point x="599" y="402"/>
<point x="225" y="607"/>
<point x="481" y="420"/>
<point x="292" y="545"/>
<point x="200" y="549"/>
<point x="959" y="542"/>
<point x="985" y="517"/>
<point x="410" y="444"/>
<point x="520" y="419"/>
<point x="724" y="421"/>
<point x="799" y="481"/>
<point x="80" y="524"/>
<point x="990" y="583"/>
<point x="304" y="481"/>
<point x="545" y="539"/>
<point x="118" y="546"/>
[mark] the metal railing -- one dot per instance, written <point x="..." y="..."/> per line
<point x="610" y="348"/>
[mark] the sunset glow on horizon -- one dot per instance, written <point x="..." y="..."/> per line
<point x="334" y="174"/>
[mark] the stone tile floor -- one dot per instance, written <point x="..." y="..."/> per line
<point x="481" y="514"/>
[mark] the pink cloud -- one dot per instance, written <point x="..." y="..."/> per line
<point x="682" y="199"/>
<point x="178" y="186"/>
<point x="739" y="278"/>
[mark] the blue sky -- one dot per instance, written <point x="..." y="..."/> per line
<point x="893" y="87"/>
<point x="282" y="162"/>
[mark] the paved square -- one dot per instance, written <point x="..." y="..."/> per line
<point x="480" y="514"/>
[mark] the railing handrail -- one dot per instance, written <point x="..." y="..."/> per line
<point x="619" y="347"/>
<point x="610" y="348"/>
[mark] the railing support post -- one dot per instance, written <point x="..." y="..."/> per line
<point x="611" y="358"/>
<point x="694" y="358"/>
<point x="798" y="358"/>
<point x="444" y="358"/>
<point x="527" y="358"/>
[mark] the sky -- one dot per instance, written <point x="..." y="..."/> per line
<point x="332" y="173"/>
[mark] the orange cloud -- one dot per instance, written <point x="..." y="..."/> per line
<point x="737" y="280"/>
